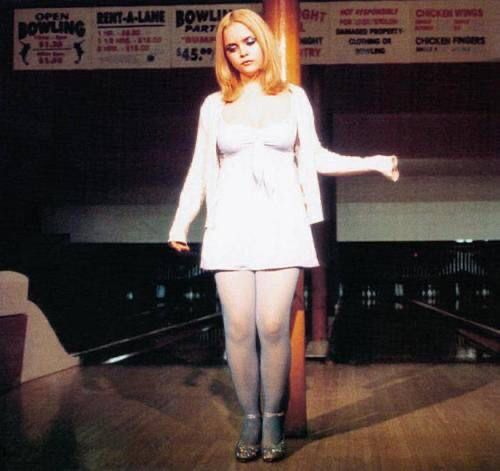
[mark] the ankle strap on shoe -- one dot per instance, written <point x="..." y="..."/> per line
<point x="273" y="414"/>
<point x="252" y="416"/>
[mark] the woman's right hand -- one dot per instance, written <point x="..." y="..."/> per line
<point x="387" y="165"/>
<point x="179" y="246"/>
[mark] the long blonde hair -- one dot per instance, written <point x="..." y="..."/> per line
<point x="227" y="76"/>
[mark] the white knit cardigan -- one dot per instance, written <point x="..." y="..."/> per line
<point x="201" y="180"/>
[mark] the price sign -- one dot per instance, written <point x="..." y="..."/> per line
<point x="133" y="37"/>
<point x="194" y="54"/>
<point x="444" y="31"/>
<point x="193" y="32"/>
<point x="52" y="39"/>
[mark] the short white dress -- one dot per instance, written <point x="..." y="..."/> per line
<point x="260" y="220"/>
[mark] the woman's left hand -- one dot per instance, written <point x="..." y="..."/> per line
<point x="387" y="165"/>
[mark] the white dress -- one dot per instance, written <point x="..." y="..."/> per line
<point x="260" y="217"/>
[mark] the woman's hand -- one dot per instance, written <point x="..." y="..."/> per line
<point x="387" y="165"/>
<point x="179" y="246"/>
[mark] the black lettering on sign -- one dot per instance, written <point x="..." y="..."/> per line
<point x="32" y="28"/>
<point x="188" y="17"/>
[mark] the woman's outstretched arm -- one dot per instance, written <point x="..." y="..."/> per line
<point x="334" y="164"/>
<point x="331" y="163"/>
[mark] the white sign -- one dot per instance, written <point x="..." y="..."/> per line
<point x="184" y="36"/>
<point x="193" y="32"/>
<point x="131" y="37"/>
<point x="444" y="31"/>
<point x="369" y="32"/>
<point x="492" y="11"/>
<point x="315" y="26"/>
<point x="52" y="38"/>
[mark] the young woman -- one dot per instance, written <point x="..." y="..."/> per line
<point x="255" y="163"/>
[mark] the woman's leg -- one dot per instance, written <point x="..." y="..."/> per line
<point x="274" y="296"/>
<point x="237" y="296"/>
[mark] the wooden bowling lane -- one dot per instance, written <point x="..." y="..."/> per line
<point x="154" y="416"/>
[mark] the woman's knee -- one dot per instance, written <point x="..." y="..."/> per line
<point x="238" y="331"/>
<point x="272" y="329"/>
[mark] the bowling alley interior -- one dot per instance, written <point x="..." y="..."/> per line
<point x="112" y="346"/>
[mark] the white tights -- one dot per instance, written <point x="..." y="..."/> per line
<point x="257" y="303"/>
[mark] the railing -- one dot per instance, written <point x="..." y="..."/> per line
<point x="437" y="273"/>
<point x="97" y="294"/>
<point x="103" y="294"/>
<point x="409" y="301"/>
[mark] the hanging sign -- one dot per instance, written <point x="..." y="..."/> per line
<point x="492" y="13"/>
<point x="55" y="38"/>
<point x="369" y="32"/>
<point x="131" y="37"/>
<point x="193" y="32"/>
<point x="357" y="32"/>
<point x="315" y="23"/>
<point x="446" y="31"/>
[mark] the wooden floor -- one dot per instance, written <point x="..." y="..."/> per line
<point x="173" y="417"/>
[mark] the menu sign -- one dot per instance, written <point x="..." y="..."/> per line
<point x="359" y="32"/>
<point x="449" y="31"/>
<point x="51" y="39"/>
<point x="131" y="37"/>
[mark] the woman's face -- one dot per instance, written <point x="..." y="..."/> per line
<point x="243" y="51"/>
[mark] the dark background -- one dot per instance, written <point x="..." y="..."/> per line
<point x="102" y="136"/>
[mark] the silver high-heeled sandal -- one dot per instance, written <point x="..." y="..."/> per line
<point x="244" y="451"/>
<point x="277" y="451"/>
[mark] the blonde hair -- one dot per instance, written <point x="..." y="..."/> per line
<point x="227" y="76"/>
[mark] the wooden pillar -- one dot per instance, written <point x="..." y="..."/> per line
<point x="318" y="345"/>
<point x="319" y="317"/>
<point x="296" y="417"/>
<point x="283" y="18"/>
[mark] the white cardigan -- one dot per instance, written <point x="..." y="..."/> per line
<point x="201" y="179"/>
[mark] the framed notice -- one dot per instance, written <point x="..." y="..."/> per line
<point x="492" y="12"/>
<point x="369" y="32"/>
<point x="193" y="32"/>
<point x="315" y="43"/>
<point x="445" y="31"/>
<point x="131" y="37"/>
<point x="52" y="38"/>
<point x="359" y="32"/>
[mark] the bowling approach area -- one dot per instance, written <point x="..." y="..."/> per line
<point x="411" y="380"/>
<point x="175" y="408"/>
<point x="152" y="417"/>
